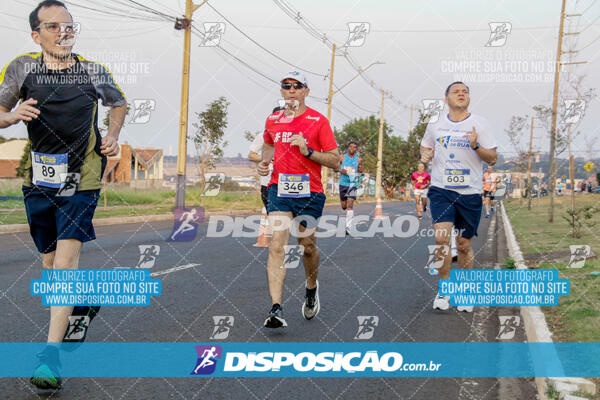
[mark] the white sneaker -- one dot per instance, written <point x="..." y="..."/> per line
<point x="441" y="302"/>
<point x="464" y="308"/>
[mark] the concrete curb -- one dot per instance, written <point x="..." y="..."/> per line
<point x="537" y="330"/>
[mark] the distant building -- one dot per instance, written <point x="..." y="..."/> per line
<point x="10" y="157"/>
<point x="139" y="168"/>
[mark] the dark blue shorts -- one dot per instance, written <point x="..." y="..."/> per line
<point x="311" y="206"/>
<point x="464" y="210"/>
<point x="53" y="218"/>
<point x="348" y="192"/>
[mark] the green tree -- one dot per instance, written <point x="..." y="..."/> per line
<point x="400" y="155"/>
<point x="208" y="136"/>
<point x="21" y="168"/>
<point x="3" y="139"/>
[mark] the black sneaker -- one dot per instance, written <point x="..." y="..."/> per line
<point x="275" y="318"/>
<point x="47" y="373"/>
<point x="311" y="305"/>
<point x="79" y="323"/>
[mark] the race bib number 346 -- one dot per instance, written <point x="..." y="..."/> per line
<point x="47" y="168"/>
<point x="457" y="178"/>
<point x="291" y="185"/>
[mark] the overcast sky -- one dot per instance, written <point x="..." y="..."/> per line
<point x="424" y="44"/>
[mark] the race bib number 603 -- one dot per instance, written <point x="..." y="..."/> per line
<point x="457" y="178"/>
<point x="293" y="185"/>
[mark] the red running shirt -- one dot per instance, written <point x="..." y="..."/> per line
<point x="421" y="180"/>
<point x="288" y="159"/>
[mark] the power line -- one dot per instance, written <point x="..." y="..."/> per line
<point x="261" y="46"/>
<point x="122" y="14"/>
<point x="313" y="31"/>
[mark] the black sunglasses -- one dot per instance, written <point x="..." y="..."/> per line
<point x="288" y="85"/>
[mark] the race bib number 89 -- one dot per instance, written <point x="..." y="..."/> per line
<point x="457" y="178"/>
<point x="47" y="168"/>
<point x="290" y="185"/>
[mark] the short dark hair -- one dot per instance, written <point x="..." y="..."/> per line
<point x="352" y="142"/>
<point x="34" y="20"/>
<point x="455" y="83"/>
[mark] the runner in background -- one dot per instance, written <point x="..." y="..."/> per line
<point x="490" y="184"/>
<point x="420" y="180"/>
<point x="350" y="168"/>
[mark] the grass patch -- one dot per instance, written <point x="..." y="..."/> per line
<point x="577" y="317"/>
<point x="509" y="263"/>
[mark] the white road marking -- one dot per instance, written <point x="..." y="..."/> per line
<point x="174" y="269"/>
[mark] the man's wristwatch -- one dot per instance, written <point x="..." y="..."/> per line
<point x="477" y="145"/>
<point x="310" y="152"/>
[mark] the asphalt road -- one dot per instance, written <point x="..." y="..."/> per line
<point x="376" y="276"/>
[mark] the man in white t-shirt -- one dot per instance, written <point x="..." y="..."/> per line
<point x="458" y="145"/>
<point x="255" y="155"/>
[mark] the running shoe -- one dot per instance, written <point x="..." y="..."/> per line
<point x="419" y="216"/>
<point x="79" y="323"/>
<point x="492" y="209"/>
<point x="487" y="215"/>
<point x="275" y="318"/>
<point x="47" y="373"/>
<point x="311" y="306"/>
<point x="441" y="302"/>
<point x="464" y="308"/>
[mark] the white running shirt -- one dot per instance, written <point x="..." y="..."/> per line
<point x="456" y="166"/>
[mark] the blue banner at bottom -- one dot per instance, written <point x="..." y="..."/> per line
<point x="298" y="359"/>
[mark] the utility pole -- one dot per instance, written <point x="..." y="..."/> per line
<point x="552" y="158"/>
<point x="572" y="175"/>
<point x="378" y="206"/>
<point x="552" y="171"/>
<point x="326" y="169"/>
<point x="185" y="24"/>
<point x="529" y="185"/>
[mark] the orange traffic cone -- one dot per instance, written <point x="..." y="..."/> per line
<point x="264" y="231"/>
<point x="378" y="209"/>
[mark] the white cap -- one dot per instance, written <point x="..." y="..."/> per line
<point x="296" y="75"/>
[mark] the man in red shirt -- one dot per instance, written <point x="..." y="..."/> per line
<point x="420" y="180"/>
<point x="299" y="140"/>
